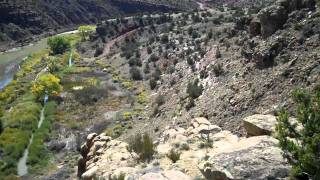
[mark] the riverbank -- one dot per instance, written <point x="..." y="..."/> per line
<point x="10" y="60"/>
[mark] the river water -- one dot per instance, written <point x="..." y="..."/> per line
<point x="10" y="60"/>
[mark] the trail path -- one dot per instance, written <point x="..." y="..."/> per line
<point x="108" y="46"/>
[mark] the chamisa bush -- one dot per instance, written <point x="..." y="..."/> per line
<point x="143" y="146"/>
<point x="301" y="146"/>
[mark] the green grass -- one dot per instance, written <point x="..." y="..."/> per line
<point x="39" y="155"/>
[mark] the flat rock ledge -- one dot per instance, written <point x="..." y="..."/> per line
<point x="206" y="152"/>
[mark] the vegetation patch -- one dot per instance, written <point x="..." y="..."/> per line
<point x="39" y="155"/>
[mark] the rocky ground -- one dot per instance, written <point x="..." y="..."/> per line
<point x="227" y="157"/>
<point x="204" y="85"/>
<point x="223" y="66"/>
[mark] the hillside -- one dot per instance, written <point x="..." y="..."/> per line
<point x="20" y="20"/>
<point x="169" y="95"/>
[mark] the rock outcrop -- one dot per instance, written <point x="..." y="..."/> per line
<point x="251" y="158"/>
<point x="218" y="154"/>
<point x="272" y="18"/>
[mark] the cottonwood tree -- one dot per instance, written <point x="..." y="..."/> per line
<point x="46" y="84"/>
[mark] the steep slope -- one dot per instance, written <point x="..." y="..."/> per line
<point x="222" y="65"/>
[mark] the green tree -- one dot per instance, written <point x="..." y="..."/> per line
<point x="301" y="146"/>
<point x="46" y="84"/>
<point x="58" y="44"/>
<point x="86" y="31"/>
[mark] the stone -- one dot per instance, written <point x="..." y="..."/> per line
<point x="175" y="175"/>
<point x="90" y="174"/>
<point x="258" y="124"/>
<point x="56" y="146"/>
<point x="272" y="18"/>
<point x="202" y="120"/>
<point x="250" y="158"/>
<point x="91" y="136"/>
<point x="152" y="176"/>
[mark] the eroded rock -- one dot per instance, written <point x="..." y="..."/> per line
<point x="250" y="158"/>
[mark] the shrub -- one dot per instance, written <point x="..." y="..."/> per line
<point x="164" y="39"/>
<point x="153" y="58"/>
<point x="58" y="44"/>
<point x="149" y="50"/>
<point x="190" y="104"/>
<point x="86" y="31"/>
<point x="301" y="147"/>
<point x="143" y="146"/>
<point x="90" y="95"/>
<point x="98" y="51"/>
<point x="174" y="155"/>
<point x="160" y="100"/>
<point x="146" y="69"/>
<point x="190" y="61"/>
<point x="46" y="84"/>
<point x="194" y="90"/>
<point x="135" y="74"/>
<point x="135" y="62"/>
<point x="218" y="69"/>
<point x="152" y="83"/>
<point x="156" y="74"/>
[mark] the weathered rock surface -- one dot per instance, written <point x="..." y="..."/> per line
<point x="251" y="158"/>
<point x="227" y="156"/>
<point x="259" y="124"/>
<point x="272" y="18"/>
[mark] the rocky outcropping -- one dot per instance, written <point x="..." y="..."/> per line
<point x="251" y="158"/>
<point x="272" y="18"/>
<point x="218" y="154"/>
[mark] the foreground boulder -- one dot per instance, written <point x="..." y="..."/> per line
<point x="250" y="158"/>
<point x="259" y="124"/>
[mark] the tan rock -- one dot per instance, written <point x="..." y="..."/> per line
<point x="258" y="124"/>
<point x="90" y="174"/>
<point x="152" y="176"/>
<point x="202" y="120"/>
<point x="175" y="175"/>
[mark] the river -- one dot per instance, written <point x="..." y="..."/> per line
<point x="10" y="60"/>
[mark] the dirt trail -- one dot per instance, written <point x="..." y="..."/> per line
<point x="108" y="46"/>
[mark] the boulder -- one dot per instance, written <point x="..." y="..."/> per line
<point x="175" y="175"/>
<point x="152" y="176"/>
<point x="272" y="18"/>
<point x="258" y="124"/>
<point x="265" y="53"/>
<point x="56" y="145"/>
<point x="251" y="158"/>
<point x="90" y="174"/>
<point x="201" y="120"/>
<point x="165" y="175"/>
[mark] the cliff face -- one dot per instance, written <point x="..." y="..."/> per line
<point x="22" y="19"/>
